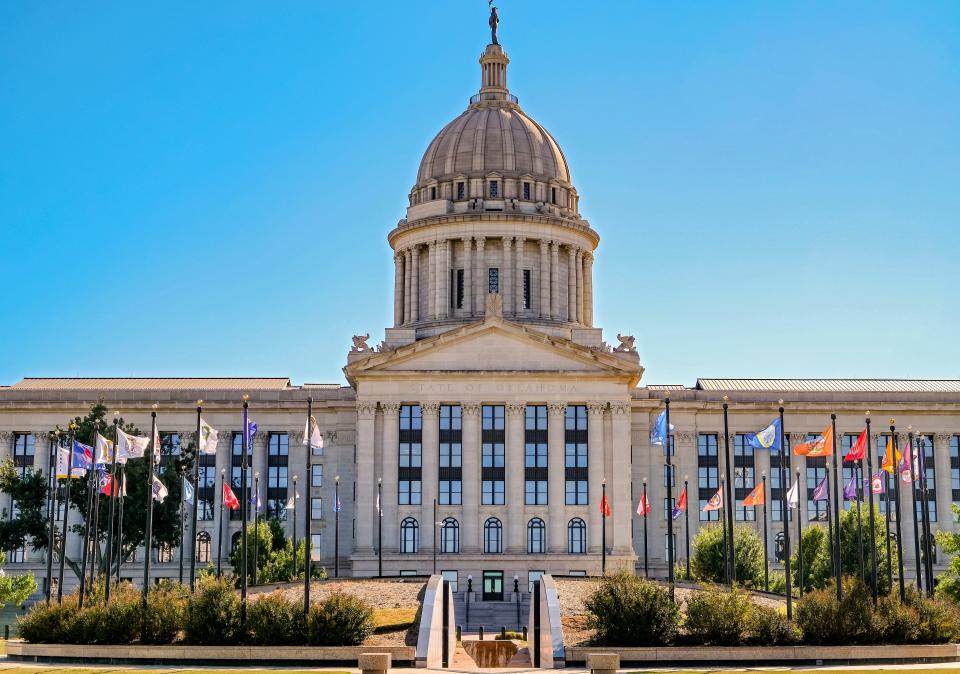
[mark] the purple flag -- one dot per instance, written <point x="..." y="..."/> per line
<point x="821" y="492"/>
<point x="850" y="489"/>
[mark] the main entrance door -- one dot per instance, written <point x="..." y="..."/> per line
<point x="493" y="586"/>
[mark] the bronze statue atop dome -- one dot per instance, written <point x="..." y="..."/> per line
<point x="494" y="22"/>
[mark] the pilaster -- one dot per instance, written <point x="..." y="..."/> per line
<point x="571" y="284"/>
<point x="431" y="471"/>
<point x="595" y="473"/>
<point x="618" y="482"/>
<point x="557" y="522"/>
<point x="398" y="287"/>
<point x="470" y="541"/>
<point x="389" y="471"/>
<point x="579" y="298"/>
<point x="554" y="280"/>
<point x="468" y="276"/>
<point x="366" y="427"/>
<point x="480" y="278"/>
<point x="544" y="278"/>
<point x="516" y="524"/>
<point x="406" y="285"/>
<point x="432" y="279"/>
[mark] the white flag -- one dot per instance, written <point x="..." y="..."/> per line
<point x="103" y="454"/>
<point x="379" y="511"/>
<point x="311" y="434"/>
<point x="793" y="495"/>
<point x="187" y="492"/>
<point x="289" y="505"/>
<point x="63" y="464"/>
<point x="159" y="490"/>
<point x="208" y="438"/>
<point x="130" y="446"/>
<point x="156" y="445"/>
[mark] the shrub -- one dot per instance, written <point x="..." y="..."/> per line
<point x="825" y="621"/>
<point x="938" y="619"/>
<point x="274" y="620"/>
<point x="123" y="615"/>
<point x="717" y="617"/>
<point x="628" y="611"/>
<point x="44" y="624"/>
<point x="707" y="561"/>
<point x="341" y="620"/>
<point x="166" y="611"/>
<point x="770" y="627"/>
<point x="509" y="636"/>
<point x="895" y="623"/>
<point x="213" y="614"/>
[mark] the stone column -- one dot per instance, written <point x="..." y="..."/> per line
<point x="468" y="276"/>
<point x="398" y="286"/>
<point x="480" y="279"/>
<point x="516" y="523"/>
<point x="554" y="280"/>
<point x="431" y="471"/>
<point x="366" y="479"/>
<point x="432" y="280"/>
<point x="557" y="525"/>
<point x="6" y="445"/>
<point x="443" y="278"/>
<point x="571" y="284"/>
<point x="588" y="289"/>
<point x="259" y="464"/>
<point x="471" y="476"/>
<point x="618" y="482"/>
<point x="518" y="277"/>
<point x="941" y="453"/>
<point x="544" y="279"/>
<point x="506" y="278"/>
<point x="579" y="299"/>
<point x="595" y="472"/>
<point x="414" y="284"/>
<point x="406" y="285"/>
<point x="389" y="470"/>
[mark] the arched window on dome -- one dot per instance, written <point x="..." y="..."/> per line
<point x="450" y="536"/>
<point x="576" y="537"/>
<point x="492" y="536"/>
<point x="409" y="536"/>
<point x="536" y="537"/>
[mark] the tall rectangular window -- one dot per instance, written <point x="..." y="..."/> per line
<point x="816" y="472"/>
<point x="316" y="475"/>
<point x="744" y="476"/>
<point x="924" y="449"/>
<point x="278" y="458"/>
<point x="493" y="280"/>
<point x="451" y="455"/>
<point x="461" y="190"/>
<point x="888" y="498"/>
<point x="24" y="449"/>
<point x="708" y="473"/>
<point x="169" y="449"/>
<point x="410" y="472"/>
<point x="206" y="485"/>
<point x="526" y="191"/>
<point x="316" y="508"/>
<point x="494" y="189"/>
<point x="954" y="469"/>
<point x="456" y="288"/>
<point x="526" y="288"/>
<point x="535" y="455"/>
<point x="236" y="460"/>
<point x="492" y="471"/>
<point x="575" y="455"/>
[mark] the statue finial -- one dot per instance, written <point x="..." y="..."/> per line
<point x="494" y="21"/>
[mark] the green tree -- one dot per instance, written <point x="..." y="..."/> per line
<point x="707" y="563"/>
<point x="816" y="559"/>
<point x="850" y="555"/>
<point x="14" y="589"/>
<point x="948" y="582"/>
<point x="274" y="555"/>
<point x="30" y="493"/>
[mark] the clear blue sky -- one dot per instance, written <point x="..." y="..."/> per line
<point x="205" y="188"/>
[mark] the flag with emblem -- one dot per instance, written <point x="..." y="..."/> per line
<point x="229" y="498"/>
<point x="755" y="497"/>
<point x="681" y="504"/>
<point x="130" y="446"/>
<point x="659" y="432"/>
<point x="208" y="438"/>
<point x="859" y="450"/>
<point x="104" y="451"/>
<point x="643" y="508"/>
<point x="159" y="490"/>
<point x="822" y="445"/>
<point x="822" y="492"/>
<point x="715" y="502"/>
<point x="768" y="438"/>
<point x="877" y="483"/>
<point x="890" y="457"/>
<point x="311" y="434"/>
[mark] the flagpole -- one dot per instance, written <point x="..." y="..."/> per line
<point x="668" y="446"/>
<point x="88" y="515"/>
<point x="896" y="488"/>
<point x="833" y="554"/>
<point x="686" y="512"/>
<point x="95" y="533"/>
<point x="646" y="557"/>
<point x="723" y="526"/>
<point x="799" y="540"/>
<point x="66" y="513"/>
<point x="886" y="500"/>
<point x="379" y="528"/>
<point x="784" y="487"/>
<point x="838" y="561"/>
<point x="294" y="526"/>
<point x="256" y="524"/>
<point x="766" y="537"/>
<point x="872" y="518"/>
<point x="731" y="561"/>
<point x="308" y="536"/>
<point x="336" y="527"/>
<point x="244" y="512"/>
<point x="196" y="504"/>
<point x="183" y="526"/>
<point x="925" y="514"/>
<point x="121" y="497"/>
<point x="223" y="488"/>
<point x="114" y="495"/>
<point x="603" y="529"/>
<point x="51" y="508"/>
<point x="913" y="506"/>
<point x="858" y="469"/>
<point x="148" y="539"/>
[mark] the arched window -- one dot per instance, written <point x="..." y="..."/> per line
<point x="235" y="541"/>
<point x="165" y="554"/>
<point x="203" y="547"/>
<point x="779" y="547"/>
<point x="576" y="537"/>
<point x="536" y="537"/>
<point x="450" y="535"/>
<point x="492" y="536"/>
<point x="409" y="536"/>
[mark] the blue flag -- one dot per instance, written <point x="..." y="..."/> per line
<point x="336" y="506"/>
<point x="768" y="438"/>
<point x="658" y="432"/>
<point x="251" y="433"/>
<point x="82" y="456"/>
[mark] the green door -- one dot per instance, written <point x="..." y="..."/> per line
<point x="493" y="586"/>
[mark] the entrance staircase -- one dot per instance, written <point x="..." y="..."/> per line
<point x="491" y="615"/>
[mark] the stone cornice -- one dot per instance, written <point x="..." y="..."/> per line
<point x="513" y="217"/>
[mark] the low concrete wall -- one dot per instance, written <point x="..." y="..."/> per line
<point x="218" y="655"/>
<point x="772" y="655"/>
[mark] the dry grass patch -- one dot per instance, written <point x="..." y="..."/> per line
<point x="393" y="619"/>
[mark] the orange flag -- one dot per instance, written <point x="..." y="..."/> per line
<point x="605" y="509"/>
<point x="888" y="463"/>
<point x="822" y="446"/>
<point x="755" y="498"/>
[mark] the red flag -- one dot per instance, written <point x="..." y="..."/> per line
<point x="859" y="450"/>
<point x="643" y="509"/>
<point x="682" y="501"/>
<point x="605" y="509"/>
<point x="111" y="487"/>
<point x="229" y="498"/>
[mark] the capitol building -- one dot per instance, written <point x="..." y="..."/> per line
<point x="479" y="436"/>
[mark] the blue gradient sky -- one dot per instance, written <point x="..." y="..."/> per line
<point x="205" y="188"/>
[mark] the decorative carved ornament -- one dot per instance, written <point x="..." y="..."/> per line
<point x="366" y="409"/>
<point x="471" y="409"/>
<point x="330" y="436"/>
<point x="516" y="409"/>
<point x="626" y="344"/>
<point x="296" y="436"/>
<point x="596" y="408"/>
<point x="620" y="408"/>
<point x="391" y="408"/>
<point x="942" y="438"/>
<point x="557" y="408"/>
<point x="6" y="436"/>
<point x="430" y="407"/>
<point x="686" y="436"/>
<point x="360" y="344"/>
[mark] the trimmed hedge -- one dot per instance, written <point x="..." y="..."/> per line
<point x="626" y="610"/>
<point x="341" y="620"/>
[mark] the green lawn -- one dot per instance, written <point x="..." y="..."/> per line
<point x="827" y="669"/>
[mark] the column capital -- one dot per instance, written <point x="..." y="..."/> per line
<point x="481" y="242"/>
<point x="557" y="408"/>
<point x="398" y="257"/>
<point x="588" y="257"/>
<point x="619" y="407"/>
<point x="431" y="407"/>
<point x="544" y="245"/>
<point x="579" y="252"/>
<point x="942" y="438"/>
<point x="516" y="409"/>
<point x="466" y="240"/>
<point x="392" y="408"/>
<point x="596" y="408"/>
<point x="366" y="410"/>
<point x="470" y="409"/>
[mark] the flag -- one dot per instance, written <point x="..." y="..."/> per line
<point x="255" y="501"/>
<point x="337" y="506"/>
<point x="821" y="493"/>
<point x="290" y="504"/>
<point x="888" y="456"/>
<point x="251" y="432"/>
<point x="768" y="438"/>
<point x="756" y="497"/>
<point x="159" y="490"/>
<point x="111" y="487"/>
<point x="643" y="508"/>
<point x="208" y="438"/>
<point x="156" y="445"/>
<point x="715" y="502"/>
<point x="379" y="509"/>
<point x="130" y="446"/>
<point x="63" y="464"/>
<point x="187" y="491"/>
<point x="906" y="468"/>
<point x="658" y="432"/>
<point x="82" y="456"/>
<point x="605" y="510"/>
<point x="821" y="446"/>
<point x="877" y="483"/>
<point x="859" y="450"/>
<point x="681" y="504"/>
<point x="311" y="434"/>
<point x="104" y="451"/>
<point x="793" y="495"/>
<point x="850" y="489"/>
<point x="229" y="498"/>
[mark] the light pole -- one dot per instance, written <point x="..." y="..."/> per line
<point x="223" y="491"/>
<point x="336" y="526"/>
<point x="686" y="512"/>
<point x="196" y="503"/>
<point x="294" y="527"/>
<point x="379" y="527"/>
<point x="646" y="516"/>
<point x="256" y="525"/>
